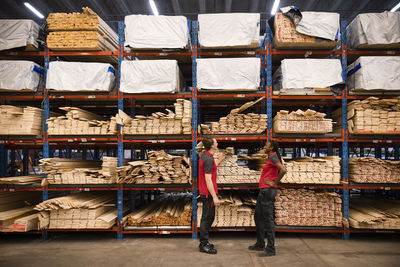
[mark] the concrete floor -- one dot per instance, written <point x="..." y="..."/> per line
<point x="102" y="249"/>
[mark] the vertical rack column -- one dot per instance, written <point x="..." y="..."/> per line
<point x="269" y="78"/>
<point x="3" y="160"/>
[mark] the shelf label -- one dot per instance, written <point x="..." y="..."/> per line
<point x="165" y="232"/>
<point x="298" y="140"/>
<point x="2" y="142"/>
<point x="311" y="187"/>
<point x="241" y="95"/>
<point x="91" y="96"/>
<point x="375" y="141"/>
<point x="70" y="140"/>
<point x="13" y="53"/>
<point x="251" y="52"/>
<point x="12" y="189"/>
<point x="162" y="141"/>
<point x="389" y="141"/>
<point x="218" y="54"/>
<point x="86" y="189"/>
<point x="153" y="141"/>
<point x="390" y="52"/>
<point x="387" y="188"/>
<point x="84" y="139"/>
<point x="161" y="189"/>
<point x="163" y="54"/>
<point x="233" y="139"/>
<point x="312" y="140"/>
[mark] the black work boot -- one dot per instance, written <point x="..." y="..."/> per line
<point x="257" y="247"/>
<point x="207" y="248"/>
<point x="267" y="252"/>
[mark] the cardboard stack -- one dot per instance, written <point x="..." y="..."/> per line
<point x="299" y="121"/>
<point x="372" y="170"/>
<point x="20" y="121"/>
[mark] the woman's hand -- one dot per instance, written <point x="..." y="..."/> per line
<point x="269" y="182"/>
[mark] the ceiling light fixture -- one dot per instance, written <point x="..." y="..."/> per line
<point x="275" y="7"/>
<point x="153" y="7"/>
<point x="34" y="10"/>
<point x="395" y="8"/>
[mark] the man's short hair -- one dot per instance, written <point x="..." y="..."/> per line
<point x="208" y="141"/>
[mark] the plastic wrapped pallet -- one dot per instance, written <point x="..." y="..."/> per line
<point x="18" y="33"/>
<point x="307" y="76"/>
<point x="17" y="75"/>
<point x="166" y="32"/>
<point x="240" y="30"/>
<point x="228" y="73"/>
<point x="150" y="76"/>
<point x="375" y="30"/>
<point x="374" y="73"/>
<point x="79" y="76"/>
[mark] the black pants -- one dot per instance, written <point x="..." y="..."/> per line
<point x="207" y="217"/>
<point x="264" y="217"/>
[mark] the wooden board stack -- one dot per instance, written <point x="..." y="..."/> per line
<point x="374" y="213"/>
<point x="371" y="116"/>
<point x="160" y="168"/>
<point x="299" y="121"/>
<point x="20" y="121"/>
<point x="22" y="180"/>
<point x="81" y="122"/>
<point x="304" y="207"/>
<point x="160" y="123"/>
<point x="84" y="210"/>
<point x="80" y="31"/>
<point x="373" y="170"/>
<point x="229" y="172"/>
<point x="168" y="210"/>
<point x="307" y="170"/>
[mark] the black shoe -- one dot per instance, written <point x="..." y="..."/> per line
<point x="257" y="247"/>
<point x="207" y="248"/>
<point x="267" y="253"/>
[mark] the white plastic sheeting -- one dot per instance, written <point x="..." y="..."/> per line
<point x="143" y="31"/>
<point x="149" y="76"/>
<point x="19" y="75"/>
<point x="80" y="76"/>
<point x="374" y="28"/>
<point x="232" y="29"/>
<point x="307" y="73"/>
<point x="228" y="73"/>
<point x="17" y="33"/>
<point x="372" y="73"/>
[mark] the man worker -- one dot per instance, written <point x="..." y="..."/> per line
<point x="208" y="191"/>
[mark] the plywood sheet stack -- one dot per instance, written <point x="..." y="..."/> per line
<point x="299" y="121"/>
<point x="372" y="170"/>
<point x="81" y="122"/>
<point x="372" y="116"/>
<point x="80" y="31"/>
<point x="21" y="180"/>
<point x="84" y="210"/>
<point x="374" y="213"/>
<point x="168" y="210"/>
<point x="302" y="207"/>
<point x="20" y="120"/>
<point x="160" y="123"/>
<point x="307" y="170"/>
<point x="160" y="168"/>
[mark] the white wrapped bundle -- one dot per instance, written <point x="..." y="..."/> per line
<point x="19" y="75"/>
<point x="18" y="33"/>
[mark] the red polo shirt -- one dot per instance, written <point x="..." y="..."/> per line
<point x="207" y="165"/>
<point x="269" y="171"/>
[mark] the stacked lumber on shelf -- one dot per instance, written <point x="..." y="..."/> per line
<point x="159" y="123"/>
<point x="371" y="116"/>
<point x="21" y="180"/>
<point x="168" y="210"/>
<point x="80" y="31"/>
<point x="160" y="168"/>
<point x="373" y="170"/>
<point x="20" y="120"/>
<point x="255" y="161"/>
<point x="299" y="121"/>
<point x="302" y="207"/>
<point x="84" y="210"/>
<point x="81" y="122"/>
<point x="374" y="213"/>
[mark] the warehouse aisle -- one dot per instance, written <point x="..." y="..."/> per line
<point x="104" y="250"/>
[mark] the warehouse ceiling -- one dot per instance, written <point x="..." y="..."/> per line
<point x="113" y="11"/>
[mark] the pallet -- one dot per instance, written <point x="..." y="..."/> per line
<point x="253" y="45"/>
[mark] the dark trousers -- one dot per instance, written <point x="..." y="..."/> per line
<point x="207" y="217"/>
<point x="264" y="217"/>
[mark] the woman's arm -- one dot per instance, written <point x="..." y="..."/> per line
<point x="281" y="172"/>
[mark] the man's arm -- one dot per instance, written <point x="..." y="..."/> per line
<point x="210" y="188"/>
<point x="221" y="157"/>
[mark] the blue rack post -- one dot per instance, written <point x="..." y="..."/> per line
<point x="269" y="78"/>
<point x="25" y="160"/>
<point x="3" y="160"/>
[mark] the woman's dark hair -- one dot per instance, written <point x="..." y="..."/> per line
<point x="275" y="148"/>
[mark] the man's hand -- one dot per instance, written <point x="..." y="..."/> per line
<point x="221" y="157"/>
<point x="216" y="201"/>
<point x="269" y="182"/>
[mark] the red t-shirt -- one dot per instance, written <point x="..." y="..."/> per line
<point x="269" y="171"/>
<point x="207" y="165"/>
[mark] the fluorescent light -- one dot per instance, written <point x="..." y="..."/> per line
<point x="395" y="8"/>
<point x="275" y="7"/>
<point x="153" y="7"/>
<point x="34" y="10"/>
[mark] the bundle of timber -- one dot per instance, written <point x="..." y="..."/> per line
<point x="255" y="161"/>
<point x="81" y="122"/>
<point x="22" y="180"/>
<point x="160" y="168"/>
<point x="325" y="170"/>
<point x="159" y="123"/>
<point x="299" y="121"/>
<point x="371" y="116"/>
<point x="20" y="120"/>
<point x="374" y="213"/>
<point x="84" y="210"/>
<point x="236" y="210"/>
<point x="80" y="31"/>
<point x="17" y="212"/>
<point x="304" y="207"/>
<point x="373" y="170"/>
<point x="168" y="210"/>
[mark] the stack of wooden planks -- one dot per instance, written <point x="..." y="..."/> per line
<point x="168" y="210"/>
<point x="80" y="122"/>
<point x="371" y="116"/>
<point x="159" y="123"/>
<point x="374" y="213"/>
<point x="373" y="170"/>
<point x="160" y="168"/>
<point x="303" y="207"/>
<point x="84" y="210"/>
<point x="299" y="121"/>
<point x="22" y="180"/>
<point x="20" y="120"/>
<point x="80" y="31"/>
